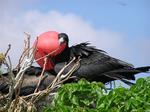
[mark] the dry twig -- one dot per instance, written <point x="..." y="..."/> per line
<point x="9" y="47"/>
<point x="25" y="61"/>
<point x="58" y="80"/>
<point x="40" y="79"/>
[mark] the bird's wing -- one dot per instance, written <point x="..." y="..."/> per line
<point x="83" y="50"/>
<point x="92" y="55"/>
<point x="97" y="65"/>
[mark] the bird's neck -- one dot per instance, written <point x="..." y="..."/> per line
<point x="63" y="57"/>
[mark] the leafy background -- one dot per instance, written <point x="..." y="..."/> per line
<point x="93" y="97"/>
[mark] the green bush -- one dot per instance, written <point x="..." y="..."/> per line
<point x="92" y="97"/>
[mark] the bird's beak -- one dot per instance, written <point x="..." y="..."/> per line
<point x="61" y="41"/>
<point x="62" y="46"/>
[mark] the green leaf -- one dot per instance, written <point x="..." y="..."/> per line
<point x="91" y="97"/>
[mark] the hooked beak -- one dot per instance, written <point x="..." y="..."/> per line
<point x="61" y="41"/>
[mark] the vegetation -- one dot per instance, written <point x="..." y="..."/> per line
<point x="93" y="97"/>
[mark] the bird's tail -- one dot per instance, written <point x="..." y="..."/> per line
<point x="144" y="69"/>
<point x="127" y="74"/>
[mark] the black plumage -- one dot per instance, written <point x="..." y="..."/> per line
<point x="96" y="64"/>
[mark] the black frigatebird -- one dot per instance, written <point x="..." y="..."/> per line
<point x="96" y="64"/>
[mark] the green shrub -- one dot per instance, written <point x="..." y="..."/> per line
<point x="92" y="97"/>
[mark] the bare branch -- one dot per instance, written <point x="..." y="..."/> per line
<point x="9" y="47"/>
<point x="26" y="51"/>
<point x="28" y="42"/>
<point x="57" y="81"/>
<point x="25" y="61"/>
<point x="40" y="79"/>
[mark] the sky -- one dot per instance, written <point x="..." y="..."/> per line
<point x="120" y="27"/>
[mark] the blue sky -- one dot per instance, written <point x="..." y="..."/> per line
<point x="120" y="27"/>
<point x="128" y="16"/>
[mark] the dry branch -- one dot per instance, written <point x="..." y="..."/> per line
<point x="15" y="81"/>
<point x="9" y="47"/>
<point x="58" y="80"/>
<point x="28" y="103"/>
<point x="41" y="76"/>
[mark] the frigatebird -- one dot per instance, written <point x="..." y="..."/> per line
<point x="96" y="64"/>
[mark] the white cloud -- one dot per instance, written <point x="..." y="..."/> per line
<point x="79" y="30"/>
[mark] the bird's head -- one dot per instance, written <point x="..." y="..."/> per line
<point x="63" y="39"/>
<point x="50" y="43"/>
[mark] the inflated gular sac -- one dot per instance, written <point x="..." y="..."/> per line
<point x="47" y="44"/>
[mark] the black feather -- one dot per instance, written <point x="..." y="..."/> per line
<point x="143" y="69"/>
<point x="96" y="65"/>
<point x="83" y="50"/>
